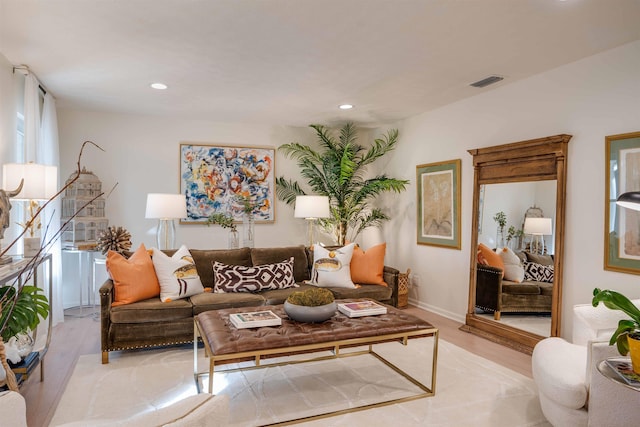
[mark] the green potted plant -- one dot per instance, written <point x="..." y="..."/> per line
<point x="627" y="335"/>
<point x="314" y="305"/>
<point x="501" y="219"/>
<point x="513" y="233"/>
<point x="338" y="171"/>
<point x="226" y="221"/>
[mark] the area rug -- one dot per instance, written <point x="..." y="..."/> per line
<point x="470" y="390"/>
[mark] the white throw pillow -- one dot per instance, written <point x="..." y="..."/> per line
<point x="177" y="275"/>
<point x="513" y="271"/>
<point x="332" y="268"/>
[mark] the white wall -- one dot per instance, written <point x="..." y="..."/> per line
<point x="588" y="99"/>
<point x="141" y="155"/>
<point x="11" y="100"/>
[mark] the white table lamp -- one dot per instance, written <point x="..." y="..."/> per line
<point x="537" y="227"/>
<point x="166" y="208"/>
<point x="311" y="208"/>
<point x="39" y="182"/>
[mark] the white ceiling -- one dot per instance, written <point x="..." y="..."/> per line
<point x="292" y="62"/>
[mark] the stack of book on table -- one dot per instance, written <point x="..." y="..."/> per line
<point x="255" y="319"/>
<point x="624" y="369"/>
<point x="361" y="308"/>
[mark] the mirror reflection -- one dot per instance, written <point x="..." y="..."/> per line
<point x="514" y="278"/>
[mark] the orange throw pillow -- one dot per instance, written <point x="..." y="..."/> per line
<point x="492" y="258"/>
<point x="367" y="268"/>
<point x="134" y="279"/>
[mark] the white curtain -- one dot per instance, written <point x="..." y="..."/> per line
<point x="31" y="117"/>
<point x="48" y="153"/>
<point x="41" y="146"/>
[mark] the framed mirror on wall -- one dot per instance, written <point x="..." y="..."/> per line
<point x="515" y="280"/>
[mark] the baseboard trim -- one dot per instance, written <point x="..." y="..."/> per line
<point x="437" y="310"/>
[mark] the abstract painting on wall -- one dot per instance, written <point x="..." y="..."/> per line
<point x="227" y="179"/>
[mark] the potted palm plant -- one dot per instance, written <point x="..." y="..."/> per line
<point x="338" y="171"/>
<point x="627" y="335"/>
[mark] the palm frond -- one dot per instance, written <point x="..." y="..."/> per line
<point x="374" y="218"/>
<point x="300" y="152"/>
<point x="380" y="147"/>
<point x="338" y="170"/>
<point x="326" y="140"/>
<point x="380" y="184"/>
<point x="287" y="190"/>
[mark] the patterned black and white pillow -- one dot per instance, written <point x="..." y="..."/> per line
<point x="238" y="278"/>
<point x="538" y="272"/>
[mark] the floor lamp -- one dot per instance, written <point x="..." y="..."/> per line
<point x="166" y="208"/>
<point x="538" y="228"/>
<point x="311" y="208"/>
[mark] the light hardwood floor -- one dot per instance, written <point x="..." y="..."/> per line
<point x="78" y="336"/>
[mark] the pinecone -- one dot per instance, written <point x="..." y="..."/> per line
<point x="115" y="239"/>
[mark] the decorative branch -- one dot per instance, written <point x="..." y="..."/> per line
<point x="23" y="276"/>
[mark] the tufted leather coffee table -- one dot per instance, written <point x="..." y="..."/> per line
<point x="224" y="343"/>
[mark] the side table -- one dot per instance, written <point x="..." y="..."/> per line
<point x="608" y="372"/>
<point x="86" y="278"/>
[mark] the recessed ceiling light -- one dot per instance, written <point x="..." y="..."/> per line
<point x="160" y="86"/>
<point x="346" y="107"/>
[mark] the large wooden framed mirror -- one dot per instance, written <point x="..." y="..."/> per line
<point x="526" y="178"/>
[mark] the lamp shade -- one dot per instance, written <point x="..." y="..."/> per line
<point x="40" y="181"/>
<point x="630" y="200"/>
<point x="540" y="226"/>
<point x="166" y="206"/>
<point x="312" y="207"/>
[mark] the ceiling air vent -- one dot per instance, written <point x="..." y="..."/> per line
<point x="487" y="81"/>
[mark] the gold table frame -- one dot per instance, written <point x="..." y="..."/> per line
<point x="335" y="347"/>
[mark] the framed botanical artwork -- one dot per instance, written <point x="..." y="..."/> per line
<point x="228" y="180"/>
<point x="622" y="225"/>
<point x="438" y="217"/>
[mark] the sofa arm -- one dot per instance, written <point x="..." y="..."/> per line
<point x="390" y="276"/>
<point x="106" y="298"/>
<point x="488" y="287"/>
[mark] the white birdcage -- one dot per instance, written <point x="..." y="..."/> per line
<point x="83" y="230"/>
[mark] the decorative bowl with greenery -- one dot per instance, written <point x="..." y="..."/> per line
<point x="314" y="305"/>
<point x="627" y="335"/>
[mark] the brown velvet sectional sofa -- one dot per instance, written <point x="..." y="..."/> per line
<point x="498" y="295"/>
<point x="151" y="323"/>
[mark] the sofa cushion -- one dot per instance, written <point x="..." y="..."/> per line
<point x="204" y="261"/>
<point x="489" y="257"/>
<point x="152" y="310"/>
<point x="377" y="292"/>
<point x="539" y="259"/>
<point x="332" y="268"/>
<point x="134" y="279"/>
<point x="177" y="274"/>
<point x="526" y="288"/>
<point x="214" y="301"/>
<point x="538" y="272"/>
<point x="260" y="256"/>
<point x="513" y="270"/>
<point x="238" y="278"/>
<point x="367" y="267"/>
